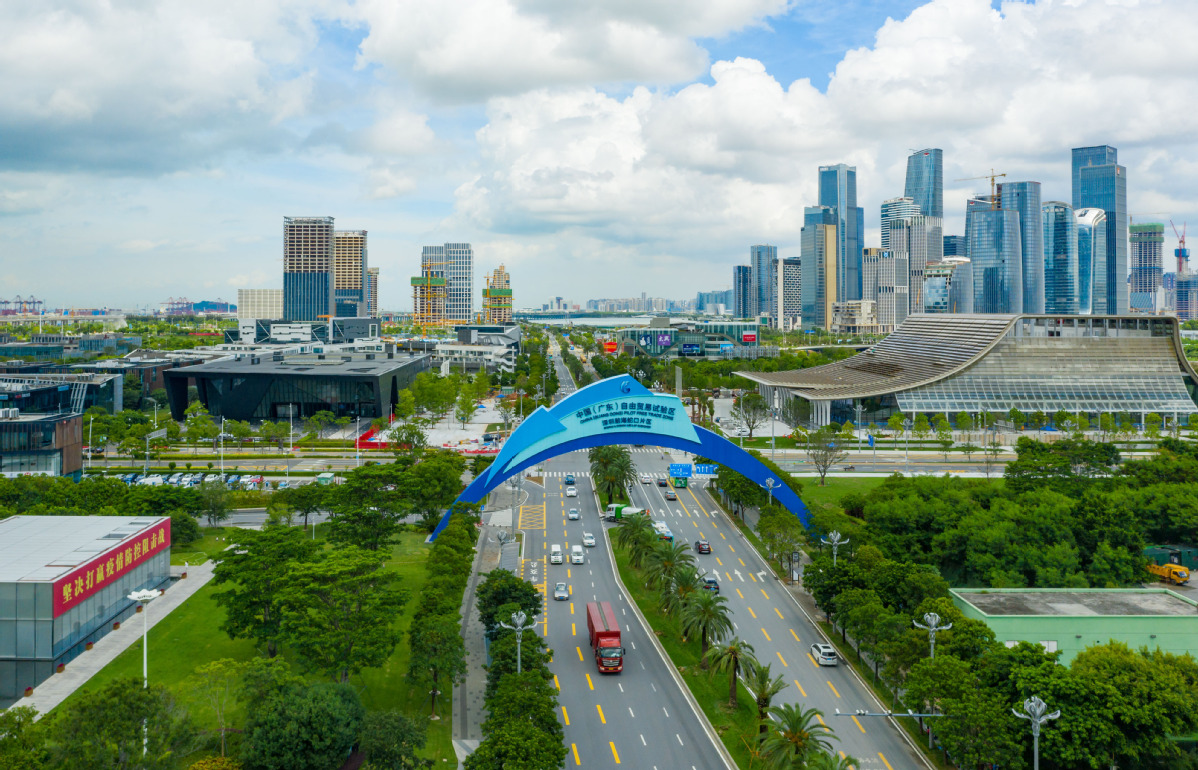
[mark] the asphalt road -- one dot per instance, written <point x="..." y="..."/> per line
<point x="768" y="618"/>
<point x="639" y="717"/>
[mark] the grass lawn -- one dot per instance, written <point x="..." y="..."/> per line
<point x="191" y="636"/>
<point x="837" y="487"/>
<point x="212" y="543"/>
<point x="736" y="729"/>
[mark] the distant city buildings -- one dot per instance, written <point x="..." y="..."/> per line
<point x="1061" y="274"/>
<point x="715" y="302"/>
<point x="1147" y="256"/>
<point x="917" y="241"/>
<point x="996" y="252"/>
<point x="948" y="286"/>
<point x="925" y="181"/>
<point x="893" y="210"/>
<point x="838" y="192"/>
<point x="260" y="303"/>
<point x="308" y="268"/>
<point x="742" y="291"/>
<point x="1100" y="182"/>
<point x="819" y="282"/>
<point x="1024" y="199"/>
<point x="762" y="264"/>
<point x="1091" y="260"/>
<point x="372" y="292"/>
<point x="954" y="245"/>
<point x="350" y="273"/>
<point x="497" y="297"/>
<point x="789" y="299"/>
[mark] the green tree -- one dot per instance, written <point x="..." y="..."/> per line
<point x="1152" y="425"/>
<point x="499" y="589"/>
<point x="824" y="448"/>
<point x="438" y="656"/>
<point x="368" y="507"/>
<point x="635" y="534"/>
<point x="214" y="502"/>
<point x="22" y="740"/>
<point x="794" y="737"/>
<point x="338" y="611"/>
<point x="665" y="561"/>
<point x="214" y="686"/>
<point x="612" y="471"/>
<point x="464" y="407"/>
<point x="298" y="727"/>
<point x="305" y="499"/>
<point x="751" y="410"/>
<point x="895" y="423"/>
<point x="964" y="421"/>
<point x="390" y="741"/>
<point x="708" y="618"/>
<point x="922" y="427"/>
<point x="517" y="743"/>
<point x="433" y="484"/>
<point x="408" y="441"/>
<point x="730" y="657"/>
<point x="763" y="686"/>
<point x="526" y="697"/>
<point x="254" y="569"/>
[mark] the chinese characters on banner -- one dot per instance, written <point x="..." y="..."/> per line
<point x="626" y="415"/>
<point x="133" y="551"/>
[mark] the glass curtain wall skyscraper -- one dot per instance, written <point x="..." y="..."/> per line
<point x="308" y="269"/>
<point x="1147" y="256"/>
<point x="762" y="259"/>
<point x="925" y="181"/>
<point x="1062" y="293"/>
<point x="459" y="281"/>
<point x="996" y="253"/>
<point x="789" y="295"/>
<point x="742" y="290"/>
<point x="918" y="241"/>
<point x="1091" y="259"/>
<point x="838" y="191"/>
<point x="1101" y="183"/>
<point x="818" y="268"/>
<point x="895" y="208"/>
<point x="1024" y="198"/>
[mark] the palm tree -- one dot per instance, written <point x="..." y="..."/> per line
<point x="731" y="657"/>
<point x="762" y="683"/>
<point x="687" y="584"/>
<point x="665" y="560"/>
<point x="830" y="761"/>
<point x="707" y="616"/>
<point x="798" y="735"/>
<point x="612" y="470"/>
<point x="635" y="534"/>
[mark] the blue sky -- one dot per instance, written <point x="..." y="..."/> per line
<point x="597" y="150"/>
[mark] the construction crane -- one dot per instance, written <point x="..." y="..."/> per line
<point x="1182" y="253"/>
<point x="991" y="176"/>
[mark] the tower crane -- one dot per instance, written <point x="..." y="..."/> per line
<point x="991" y="176"/>
<point x="1183" y="254"/>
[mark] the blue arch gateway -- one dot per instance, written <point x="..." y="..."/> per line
<point x="618" y="410"/>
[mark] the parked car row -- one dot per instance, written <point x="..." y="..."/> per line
<point x="230" y="480"/>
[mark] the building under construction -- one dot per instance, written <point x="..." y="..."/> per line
<point x="497" y="297"/>
<point x="429" y="291"/>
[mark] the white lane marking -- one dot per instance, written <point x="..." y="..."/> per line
<point x="679" y="737"/>
<point x="653" y="686"/>
<point x="663" y="708"/>
<point x="643" y="741"/>
<point x="630" y="712"/>
<point x="620" y="686"/>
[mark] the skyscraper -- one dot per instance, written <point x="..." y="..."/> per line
<point x="919" y="241"/>
<point x="1024" y="198"/>
<point x="1101" y="155"/>
<point x="789" y="300"/>
<point x="895" y="208"/>
<point x="948" y="286"/>
<point x="1091" y="261"/>
<point x="838" y="191"/>
<point x="742" y="291"/>
<point x="884" y="281"/>
<point x="1104" y="186"/>
<point x="954" y="245"/>
<point x="996" y="253"/>
<point x="762" y="259"/>
<point x="372" y="292"/>
<point x="819" y="266"/>
<point x="429" y="289"/>
<point x="497" y="297"/>
<point x="308" y="269"/>
<point x="1147" y="256"/>
<point x="459" y="282"/>
<point x="1062" y="292"/>
<point x="925" y="181"/>
<point x="349" y="252"/>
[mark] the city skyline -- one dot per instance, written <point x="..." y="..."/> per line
<point x="173" y="161"/>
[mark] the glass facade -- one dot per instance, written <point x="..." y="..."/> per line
<point x="1024" y="198"/>
<point x="954" y="246"/>
<point x="742" y="290"/>
<point x="762" y="260"/>
<point x="1105" y="187"/>
<point x="919" y="240"/>
<point x="306" y="296"/>
<point x="1103" y="155"/>
<point x="1061" y="274"/>
<point x="1147" y="256"/>
<point x="948" y="286"/>
<point x="838" y="191"/>
<point x="817" y="287"/>
<point x="895" y="208"/>
<point x="925" y="181"/>
<point x="996" y="252"/>
<point x="1091" y="261"/>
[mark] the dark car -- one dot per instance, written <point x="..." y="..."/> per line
<point x="702" y="546"/>
<point x="671" y="495"/>
<point x="569" y="478"/>
<point x="710" y="584"/>
<point x="662" y="483"/>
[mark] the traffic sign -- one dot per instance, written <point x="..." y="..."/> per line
<point x="680" y="470"/>
<point x="705" y="469"/>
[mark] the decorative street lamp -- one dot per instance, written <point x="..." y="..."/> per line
<point x="770" y="483"/>
<point x="907" y="443"/>
<point x="515" y="483"/>
<point x="144" y="597"/>
<point x="834" y="539"/>
<point x="931" y="621"/>
<point x="518" y="620"/>
<point x="1034" y="709"/>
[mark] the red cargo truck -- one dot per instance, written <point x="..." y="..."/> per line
<point x="605" y="637"/>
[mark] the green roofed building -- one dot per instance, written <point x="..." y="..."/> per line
<point x="1067" y="620"/>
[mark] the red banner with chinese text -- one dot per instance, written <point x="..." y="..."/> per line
<point x="84" y="581"/>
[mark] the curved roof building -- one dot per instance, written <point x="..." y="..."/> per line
<point x="988" y="362"/>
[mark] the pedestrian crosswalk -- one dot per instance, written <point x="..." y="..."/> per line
<point x="563" y="474"/>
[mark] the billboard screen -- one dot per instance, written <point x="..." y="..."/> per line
<point x="748" y="337"/>
<point x="83" y="582"/>
<point x="609" y="347"/>
<point x="664" y="340"/>
<point x="690" y="349"/>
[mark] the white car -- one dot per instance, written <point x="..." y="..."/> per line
<point x="824" y="654"/>
<point x="645" y="479"/>
<point x="588" y="539"/>
<point x="573" y="514"/>
<point x="576" y="555"/>
<point x="571" y="492"/>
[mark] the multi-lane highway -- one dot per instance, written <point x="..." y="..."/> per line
<point x="637" y="718"/>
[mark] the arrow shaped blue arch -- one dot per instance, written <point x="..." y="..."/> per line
<point x="618" y="410"/>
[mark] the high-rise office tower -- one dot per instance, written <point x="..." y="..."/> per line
<point x="459" y="282"/>
<point x="762" y="259"/>
<point x="1024" y="198"/>
<point x="497" y="297"/>
<point x="1091" y="261"/>
<point x="1102" y="184"/>
<point x="1186" y="297"/>
<point x="884" y="280"/>
<point x="349" y="251"/>
<point x="1147" y="256"/>
<point x="819" y="266"/>
<point x="925" y="181"/>
<point x="870" y="259"/>
<point x="996" y="253"/>
<point x="789" y="301"/>
<point x="838" y="191"/>
<point x="742" y="291"/>
<point x="1101" y="155"/>
<point x="308" y="269"/>
<point x="1062" y="274"/>
<point x="948" y="286"/>
<point x="895" y="208"/>
<point x="954" y="245"/>
<point x="920" y="241"/>
<point x="372" y="292"/>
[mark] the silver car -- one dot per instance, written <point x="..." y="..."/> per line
<point x="588" y="539"/>
<point x="573" y="514"/>
<point x="824" y="654"/>
<point x="571" y="492"/>
<point x="561" y="592"/>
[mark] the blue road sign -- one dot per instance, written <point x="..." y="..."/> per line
<point x="705" y="469"/>
<point x="680" y="470"/>
<point x="871" y="441"/>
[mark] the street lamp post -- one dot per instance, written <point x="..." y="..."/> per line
<point x="1034" y="712"/>
<point x="515" y="483"/>
<point x="222" y="447"/>
<point x="520" y="401"/>
<point x="907" y="443"/>
<point x="931" y="622"/>
<point x="518" y="619"/>
<point x="144" y="597"/>
<point x="859" y="409"/>
<point x="358" y="441"/>
<point x="770" y="483"/>
<point x="91" y="449"/>
<point x="835" y="540"/>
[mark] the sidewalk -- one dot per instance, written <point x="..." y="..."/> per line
<point x="59" y="687"/>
